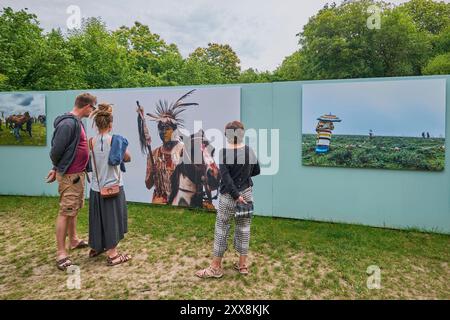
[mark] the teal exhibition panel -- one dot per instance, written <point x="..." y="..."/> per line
<point x="375" y="197"/>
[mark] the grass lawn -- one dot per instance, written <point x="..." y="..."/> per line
<point x="289" y="259"/>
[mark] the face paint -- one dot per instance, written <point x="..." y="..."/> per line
<point x="165" y="133"/>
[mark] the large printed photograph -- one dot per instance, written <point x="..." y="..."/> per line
<point x="174" y="140"/>
<point x="383" y="124"/>
<point x="22" y="119"/>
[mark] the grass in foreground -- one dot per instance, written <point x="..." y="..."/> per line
<point x="289" y="259"/>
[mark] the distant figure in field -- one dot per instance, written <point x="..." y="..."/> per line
<point x="41" y="119"/>
<point x="423" y="135"/>
<point x="28" y="126"/>
<point x="428" y="135"/>
<point x="370" y="134"/>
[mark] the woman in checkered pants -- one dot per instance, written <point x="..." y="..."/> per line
<point x="238" y="164"/>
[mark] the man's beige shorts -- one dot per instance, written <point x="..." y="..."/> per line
<point x="71" y="193"/>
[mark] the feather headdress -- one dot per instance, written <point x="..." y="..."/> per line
<point x="166" y="113"/>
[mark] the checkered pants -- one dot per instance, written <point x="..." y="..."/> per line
<point x="223" y="222"/>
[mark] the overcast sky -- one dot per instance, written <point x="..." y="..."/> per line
<point x="262" y="32"/>
<point x="20" y="103"/>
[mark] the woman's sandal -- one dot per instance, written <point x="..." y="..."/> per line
<point x="121" y="258"/>
<point x="63" y="263"/>
<point x="242" y="270"/>
<point x="93" y="253"/>
<point x="209" y="272"/>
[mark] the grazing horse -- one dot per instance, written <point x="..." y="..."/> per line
<point x="17" y="121"/>
<point x="192" y="183"/>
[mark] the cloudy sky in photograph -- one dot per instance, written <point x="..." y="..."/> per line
<point x="20" y="103"/>
<point x="262" y="32"/>
<point x="403" y="108"/>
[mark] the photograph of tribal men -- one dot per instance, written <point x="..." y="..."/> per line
<point x="388" y="124"/>
<point x="23" y="119"/>
<point x="176" y="136"/>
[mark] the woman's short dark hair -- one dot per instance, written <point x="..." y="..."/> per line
<point x="234" y="131"/>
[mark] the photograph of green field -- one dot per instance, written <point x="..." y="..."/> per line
<point x="359" y="151"/>
<point x="23" y="120"/>
<point x="38" y="136"/>
<point x="397" y="125"/>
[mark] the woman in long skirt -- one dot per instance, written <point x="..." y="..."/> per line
<point x="108" y="217"/>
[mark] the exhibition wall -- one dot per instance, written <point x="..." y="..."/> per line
<point x="370" y="196"/>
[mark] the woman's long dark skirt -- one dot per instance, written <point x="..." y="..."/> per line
<point x="108" y="220"/>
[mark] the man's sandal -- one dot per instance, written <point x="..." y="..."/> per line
<point x="120" y="258"/>
<point x="242" y="270"/>
<point x="209" y="272"/>
<point x="64" y="263"/>
<point x="81" y="245"/>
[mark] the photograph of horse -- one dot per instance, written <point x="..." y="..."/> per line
<point x="193" y="183"/>
<point x="23" y="119"/>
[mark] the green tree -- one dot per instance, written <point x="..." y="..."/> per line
<point x="4" y="83"/>
<point x="336" y="43"/>
<point x="430" y="16"/>
<point x="291" y="68"/>
<point x="102" y="61"/>
<point x="414" y="39"/>
<point x="21" y="43"/>
<point x="195" y="71"/>
<point x="441" y="41"/>
<point x="57" y="69"/>
<point x="254" y="76"/>
<point x="433" y="19"/>
<point x="149" y="54"/>
<point x="220" y="57"/>
<point x="438" y="65"/>
<point x="403" y="49"/>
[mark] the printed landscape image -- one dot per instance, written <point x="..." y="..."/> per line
<point x="385" y="125"/>
<point x="22" y="119"/>
<point x="377" y="152"/>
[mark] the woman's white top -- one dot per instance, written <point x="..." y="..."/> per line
<point x="108" y="175"/>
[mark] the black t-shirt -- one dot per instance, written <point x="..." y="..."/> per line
<point x="237" y="166"/>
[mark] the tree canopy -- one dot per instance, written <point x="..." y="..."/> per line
<point x="412" y="39"/>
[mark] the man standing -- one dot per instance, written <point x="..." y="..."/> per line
<point x="166" y="158"/>
<point x="70" y="157"/>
